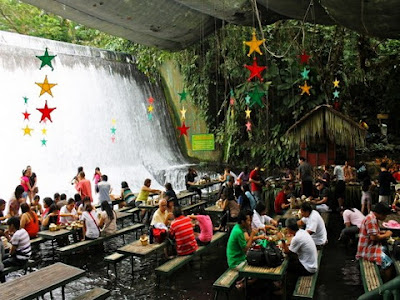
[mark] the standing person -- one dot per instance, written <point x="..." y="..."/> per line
<point x="352" y="219"/>
<point x="190" y="181"/>
<point x="108" y="219"/>
<point x="170" y="194"/>
<point x="76" y="179"/>
<point x="206" y="229"/>
<point x="91" y="230"/>
<point x="366" y="196"/>
<point x="244" y="177"/>
<point x="83" y="186"/>
<point x="385" y="179"/>
<point x="314" y="224"/>
<point x="96" y="179"/>
<point x="371" y="237"/>
<point x="25" y="183"/>
<point x="255" y="183"/>
<point x="182" y="231"/>
<point x="306" y="177"/>
<point x="33" y="183"/>
<point x="29" y="221"/>
<point x="104" y="190"/>
<point x="340" y="189"/>
<point x="15" y="202"/>
<point x="348" y="172"/>
<point x="68" y="213"/>
<point x="326" y="176"/>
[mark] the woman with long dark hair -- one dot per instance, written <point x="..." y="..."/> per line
<point x="91" y="229"/>
<point x="29" y="221"/>
<point x="16" y="201"/>
<point x="108" y="219"/>
<point x="51" y="216"/>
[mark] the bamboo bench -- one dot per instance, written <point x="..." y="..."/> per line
<point x="174" y="264"/>
<point x="325" y="217"/>
<point x="225" y="282"/>
<point x="85" y="244"/>
<point x="185" y="194"/>
<point x="190" y="207"/>
<point x="114" y="259"/>
<point x="29" y="264"/>
<point x="135" y="211"/>
<point x="305" y="286"/>
<point x="37" y="241"/>
<point x="95" y="294"/>
<point x="370" y="275"/>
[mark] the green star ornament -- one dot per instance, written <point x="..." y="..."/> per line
<point x="44" y="142"/>
<point x="336" y="94"/>
<point x="25" y="99"/>
<point x="46" y="60"/>
<point x="183" y="96"/>
<point x="256" y="97"/>
<point x="113" y="130"/>
<point x="304" y="74"/>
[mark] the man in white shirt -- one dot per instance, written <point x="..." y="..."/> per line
<point x="68" y="212"/>
<point x="302" y="252"/>
<point x="261" y="220"/>
<point x="352" y="219"/>
<point x="314" y="224"/>
<point x="161" y="215"/>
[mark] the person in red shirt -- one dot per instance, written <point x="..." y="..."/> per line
<point x="83" y="186"/>
<point x="281" y="203"/>
<point x="182" y="231"/>
<point x="255" y="183"/>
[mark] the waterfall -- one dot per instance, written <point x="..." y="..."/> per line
<point x="93" y="87"/>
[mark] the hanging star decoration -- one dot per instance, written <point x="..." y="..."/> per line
<point x="183" y="113"/>
<point x="232" y="99"/>
<point x="25" y="100"/>
<point x="113" y="130"/>
<point x="150" y="116"/>
<point x="113" y="121"/>
<point x="305" y="88"/>
<point x="254" y="44"/>
<point x="247" y="98"/>
<point x="256" y="97"/>
<point x="336" y="94"/>
<point x="232" y="113"/>
<point x="183" y="96"/>
<point x="27" y="130"/>
<point x="248" y="112"/>
<point x="248" y="126"/>
<point x="304" y="57"/>
<point x="113" y="139"/>
<point x="304" y="74"/>
<point x="44" y="142"/>
<point x="183" y="129"/>
<point x="44" y="131"/>
<point x="46" y="59"/>
<point x="150" y="108"/>
<point x="46" y="87"/>
<point x="255" y="70"/>
<point x="26" y="115"/>
<point x="151" y="100"/>
<point x="336" y="83"/>
<point x="46" y="112"/>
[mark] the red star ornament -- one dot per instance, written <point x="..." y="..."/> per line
<point x="183" y="129"/>
<point x="45" y="112"/>
<point x="151" y="100"/>
<point x="304" y="58"/>
<point x="26" y="115"/>
<point x="255" y="70"/>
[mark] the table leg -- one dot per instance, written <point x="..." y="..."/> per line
<point x="245" y="288"/>
<point x="63" y="292"/>
<point x="132" y="266"/>
<point x="52" y="248"/>
<point x="284" y="287"/>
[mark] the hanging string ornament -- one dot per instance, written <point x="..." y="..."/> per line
<point x="183" y="113"/>
<point x="27" y="130"/>
<point x="254" y="44"/>
<point x="248" y="126"/>
<point x="182" y="95"/>
<point x="46" y="59"/>
<point x="183" y="129"/>
<point x="336" y="103"/>
<point x="304" y="57"/>
<point x="46" y="86"/>
<point x="305" y="89"/>
<point x="26" y="115"/>
<point x="255" y="70"/>
<point x="256" y="97"/>
<point x="232" y="99"/>
<point x="45" y="112"/>
<point x="150" y="108"/>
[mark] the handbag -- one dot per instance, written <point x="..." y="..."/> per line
<point x="273" y="256"/>
<point x="255" y="256"/>
<point x="159" y="235"/>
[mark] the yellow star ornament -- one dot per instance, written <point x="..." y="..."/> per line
<point x="183" y="113"/>
<point x="254" y="44"/>
<point x="27" y="130"/>
<point x="44" y="131"/>
<point x="336" y="83"/>
<point x="113" y="121"/>
<point x="46" y="86"/>
<point x="248" y="112"/>
<point x="150" y="108"/>
<point x="305" y="88"/>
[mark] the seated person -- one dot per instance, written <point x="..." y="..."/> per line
<point x="29" y="221"/>
<point x="68" y="213"/>
<point x="144" y="195"/>
<point x="352" y="219"/>
<point x="206" y="229"/>
<point x="314" y="224"/>
<point x="190" y="183"/>
<point x="260" y="220"/>
<point x="181" y="231"/>
<point x="161" y="215"/>
<point x="321" y="203"/>
<point x="127" y="195"/>
<point x="36" y="206"/>
<point x="20" y="244"/>
<point x="281" y="203"/>
<point x="302" y="252"/>
<point x="15" y="202"/>
<point x="371" y="237"/>
<point x="82" y="207"/>
<point x="2" y="208"/>
<point x="229" y="204"/>
<point x="108" y="219"/>
<point x="2" y="256"/>
<point x="170" y="194"/>
<point x="237" y="244"/>
<point x="294" y="192"/>
<point x="60" y="200"/>
<point x="51" y="216"/>
<point x="91" y="230"/>
<point x="249" y="195"/>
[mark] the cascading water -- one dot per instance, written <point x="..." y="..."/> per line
<point x="93" y="87"/>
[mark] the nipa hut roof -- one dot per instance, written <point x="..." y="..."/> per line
<point x="326" y="123"/>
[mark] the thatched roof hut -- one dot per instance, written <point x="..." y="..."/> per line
<point x="326" y="123"/>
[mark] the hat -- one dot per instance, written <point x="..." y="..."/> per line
<point x="381" y="208"/>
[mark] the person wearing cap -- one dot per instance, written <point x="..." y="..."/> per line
<point x="371" y="237"/>
<point x="314" y="224"/>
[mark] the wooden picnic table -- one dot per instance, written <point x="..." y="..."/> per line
<point x="275" y="274"/>
<point x="291" y="213"/>
<point x="52" y="235"/>
<point x="38" y="283"/>
<point x="214" y="209"/>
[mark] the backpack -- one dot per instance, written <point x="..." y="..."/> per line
<point x="273" y="256"/>
<point x="255" y="256"/>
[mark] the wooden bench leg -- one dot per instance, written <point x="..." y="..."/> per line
<point x="132" y="266"/>
<point x="63" y="292"/>
<point x="116" y="273"/>
<point x="108" y="269"/>
<point x="216" y="295"/>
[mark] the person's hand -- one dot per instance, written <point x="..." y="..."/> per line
<point x="388" y="233"/>
<point x="279" y="235"/>
<point x="254" y="231"/>
<point x="274" y="222"/>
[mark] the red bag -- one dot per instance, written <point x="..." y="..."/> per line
<point x="159" y="235"/>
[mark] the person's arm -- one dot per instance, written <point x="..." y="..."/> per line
<point x="24" y="220"/>
<point x="347" y="224"/>
<point x="13" y="250"/>
<point x="101" y="221"/>
<point x="250" y="240"/>
<point x="224" y="205"/>
<point x="380" y="236"/>
<point x="145" y="188"/>
<point x="318" y="201"/>
<point x="45" y="221"/>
